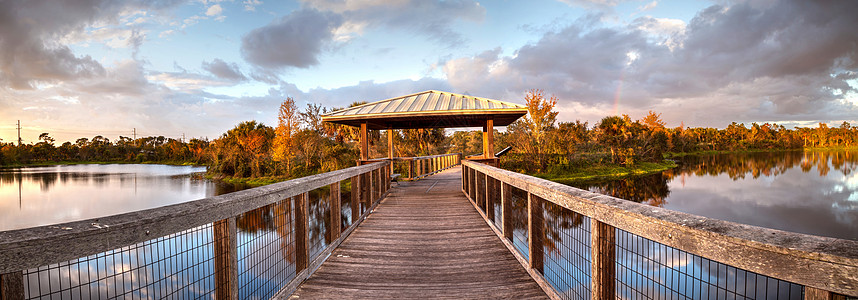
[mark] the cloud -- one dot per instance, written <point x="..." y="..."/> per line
<point x="224" y="70"/>
<point x="214" y="10"/>
<point x="593" y="4"/>
<point x="250" y="5"/>
<point x="297" y="40"/>
<point x="31" y="53"/>
<point x="434" y="19"/>
<point x="294" y="40"/>
<point x="786" y="62"/>
<point x="648" y="6"/>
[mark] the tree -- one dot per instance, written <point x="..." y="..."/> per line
<point x="288" y="125"/>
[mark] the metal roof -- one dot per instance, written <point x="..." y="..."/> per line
<point x="429" y="109"/>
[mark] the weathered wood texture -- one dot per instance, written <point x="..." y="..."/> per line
<point x="820" y="262"/>
<point x="424" y="241"/>
<point x="12" y="286"/>
<point x="226" y="259"/>
<point x="39" y="246"/>
<point x="603" y="257"/>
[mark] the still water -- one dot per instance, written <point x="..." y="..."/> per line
<point x="806" y="192"/>
<point x="178" y="265"/>
<point x="35" y="196"/>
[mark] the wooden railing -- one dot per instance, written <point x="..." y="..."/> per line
<point x="421" y="166"/>
<point x="617" y="245"/>
<point x="194" y="248"/>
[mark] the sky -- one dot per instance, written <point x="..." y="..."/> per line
<point x="173" y="68"/>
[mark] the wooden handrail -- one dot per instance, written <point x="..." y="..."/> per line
<point x="818" y="263"/>
<point x="39" y="246"/>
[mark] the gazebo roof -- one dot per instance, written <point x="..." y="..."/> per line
<point x="429" y="109"/>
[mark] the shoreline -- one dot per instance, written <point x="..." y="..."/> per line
<point x="607" y="172"/>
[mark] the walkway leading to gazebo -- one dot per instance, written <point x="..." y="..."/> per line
<point x="425" y="240"/>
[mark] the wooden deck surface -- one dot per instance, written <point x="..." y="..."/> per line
<point x="426" y="241"/>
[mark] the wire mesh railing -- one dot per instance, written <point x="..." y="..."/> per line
<point x="251" y="244"/>
<point x="582" y="245"/>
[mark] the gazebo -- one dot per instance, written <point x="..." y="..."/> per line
<point x="429" y="109"/>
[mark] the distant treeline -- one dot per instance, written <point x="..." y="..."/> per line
<point x="301" y="144"/>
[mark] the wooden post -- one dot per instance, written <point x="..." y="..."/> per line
<point x="465" y="179"/>
<point x="389" y="141"/>
<point x="355" y="198"/>
<point x="471" y="187"/>
<point x="535" y="232"/>
<point x="225" y="246"/>
<point x="488" y="139"/>
<point x="335" y="227"/>
<point x="364" y="143"/>
<point x="811" y="293"/>
<point x="506" y="210"/>
<point x="603" y="256"/>
<point x="302" y="236"/>
<point x="411" y="168"/>
<point x="12" y="286"/>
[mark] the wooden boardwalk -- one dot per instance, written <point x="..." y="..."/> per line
<point x="425" y="240"/>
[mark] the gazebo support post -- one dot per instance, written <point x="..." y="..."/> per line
<point x="364" y="143"/>
<point x="390" y="147"/>
<point x="488" y="139"/>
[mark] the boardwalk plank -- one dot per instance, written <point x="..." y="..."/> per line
<point x="425" y="240"/>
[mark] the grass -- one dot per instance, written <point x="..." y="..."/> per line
<point x="250" y="181"/>
<point x="603" y="172"/>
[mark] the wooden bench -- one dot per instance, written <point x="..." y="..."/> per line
<point x="395" y="177"/>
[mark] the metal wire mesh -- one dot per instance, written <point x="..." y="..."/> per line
<point x="179" y="265"/>
<point x="346" y="204"/>
<point x="651" y="270"/>
<point x="496" y="204"/>
<point x="566" y="245"/>
<point x="266" y="249"/>
<point x="480" y="179"/>
<point x="319" y="218"/>
<point x="518" y="217"/>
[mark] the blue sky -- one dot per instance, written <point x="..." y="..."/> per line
<point x="79" y="68"/>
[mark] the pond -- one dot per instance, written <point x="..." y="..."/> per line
<point x="36" y="196"/>
<point x="813" y="192"/>
<point x="178" y="265"/>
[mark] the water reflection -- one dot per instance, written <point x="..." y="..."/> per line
<point x="35" y="196"/>
<point x="806" y="192"/>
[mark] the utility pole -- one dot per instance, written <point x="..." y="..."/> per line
<point x="19" y="133"/>
<point x="183" y="137"/>
<point x="134" y="133"/>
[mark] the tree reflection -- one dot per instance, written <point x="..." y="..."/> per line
<point x="654" y="190"/>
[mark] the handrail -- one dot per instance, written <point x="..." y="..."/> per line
<point x="31" y="248"/>
<point x="822" y="264"/>
<point x="422" y="166"/>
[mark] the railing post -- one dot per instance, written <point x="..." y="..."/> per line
<point x="465" y="179"/>
<point x="336" y="223"/>
<point x="535" y="228"/>
<point x="603" y="256"/>
<point x="506" y="210"/>
<point x="411" y="168"/>
<point x="302" y="236"/>
<point x="355" y="201"/>
<point x="12" y="286"/>
<point x="226" y="259"/>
